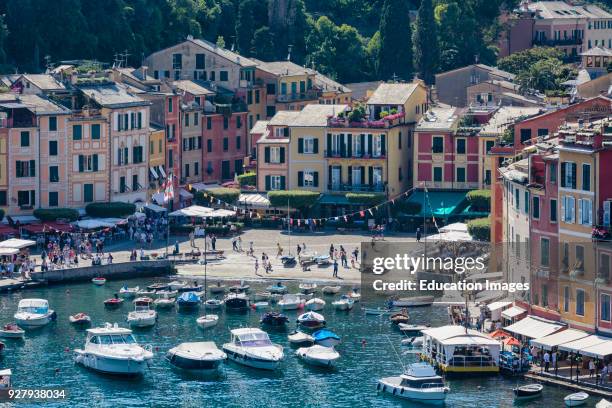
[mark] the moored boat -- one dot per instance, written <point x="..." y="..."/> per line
<point x="379" y="311"/>
<point x="128" y="293"/>
<point x="213" y="304"/>
<point x="274" y="319"/>
<point x="262" y="296"/>
<point x="419" y="383"/>
<point x="417" y="301"/>
<point x="315" y="304"/>
<point x="218" y="288"/>
<point x="298" y="338"/>
<point x="528" y="391"/>
<point x="331" y="290"/>
<point x="344" y="303"/>
<point x="307" y="288"/>
<point x="143" y="315"/>
<point x="318" y="355"/>
<point x="164" y="302"/>
<point x="12" y="331"/>
<point x="401" y="317"/>
<point x="176" y="285"/>
<point x="260" y="305"/>
<point x="188" y="301"/>
<point x="240" y="288"/>
<point x="113" y="303"/>
<point x="290" y="302"/>
<point x="80" y="318"/>
<point x="311" y="320"/>
<point x="576" y="399"/>
<point x="236" y="302"/>
<point x="191" y="287"/>
<point x="207" y="321"/>
<point x="158" y="286"/>
<point x="252" y="347"/>
<point x="33" y="313"/>
<point x="113" y="350"/>
<point x="354" y="295"/>
<point x="413" y="343"/>
<point x="196" y="356"/>
<point x="166" y="293"/>
<point x="98" y="281"/>
<point x="326" y="338"/>
<point x="412" y="329"/>
<point x="277" y="288"/>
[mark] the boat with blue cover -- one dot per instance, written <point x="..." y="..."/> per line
<point x="188" y="301"/>
<point x="326" y="338"/>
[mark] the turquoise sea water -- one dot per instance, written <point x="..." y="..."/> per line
<point x="44" y="359"/>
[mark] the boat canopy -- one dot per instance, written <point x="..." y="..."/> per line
<point x="559" y="338"/>
<point x="590" y="346"/>
<point x="189" y="297"/>
<point x="534" y="327"/>
<point x="447" y="339"/>
<point x="33" y="303"/>
<point x="325" y="334"/>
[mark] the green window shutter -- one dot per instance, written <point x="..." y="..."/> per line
<point x="362" y="137"/>
<point x="370" y="144"/>
<point x="95" y="162"/>
<point x="32" y="168"/>
<point x="315" y="179"/>
<point x="282" y="180"/>
<point x="574" y="176"/>
<point x="139" y="120"/>
<point x="125" y="155"/>
<point x="563" y="175"/>
<point x="300" y="145"/>
<point x="77" y="132"/>
<point x="350" y="174"/>
<point x="286" y="132"/>
<point x="81" y="163"/>
<point x="329" y="174"/>
<point x="267" y="183"/>
<point x="363" y="175"/>
<point x="370" y="175"/>
<point x="342" y="146"/>
<point x="383" y="148"/>
<point x="18" y="171"/>
<point x="329" y="144"/>
<point x="315" y="146"/>
<point x="300" y="178"/>
<point x="267" y="155"/>
<point x="282" y="154"/>
<point x="350" y="145"/>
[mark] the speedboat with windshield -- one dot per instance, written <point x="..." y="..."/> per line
<point x="196" y="356"/>
<point x="143" y="315"/>
<point x="252" y="347"/>
<point x="33" y="313"/>
<point x="419" y="383"/>
<point x="113" y="350"/>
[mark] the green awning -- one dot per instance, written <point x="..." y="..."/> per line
<point x="334" y="199"/>
<point x="441" y="203"/>
<point x="471" y="212"/>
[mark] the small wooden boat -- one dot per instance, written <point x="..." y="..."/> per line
<point x="128" y="293"/>
<point x="277" y="288"/>
<point x="113" y="302"/>
<point x="99" y="281"/>
<point x="274" y="319"/>
<point x="259" y="296"/>
<point x="379" y="311"/>
<point x="158" y="286"/>
<point x="213" y="304"/>
<point x="298" y="338"/>
<point x="307" y="288"/>
<point x="80" y="318"/>
<point x="218" y="288"/>
<point x="331" y="290"/>
<point x="240" y="288"/>
<point x="12" y="331"/>
<point x="315" y="304"/>
<point x="207" y="321"/>
<point x="577" y="399"/>
<point x="528" y="391"/>
<point x="311" y="320"/>
<point x="401" y="317"/>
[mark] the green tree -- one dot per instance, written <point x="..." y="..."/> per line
<point x="523" y="60"/>
<point x="426" y="42"/>
<point x="395" y="56"/>
<point x="371" y="52"/>
<point x="262" y="45"/>
<point x="3" y="36"/>
<point x="251" y="15"/>
<point x="220" y="42"/>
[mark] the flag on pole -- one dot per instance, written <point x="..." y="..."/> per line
<point x="169" y="189"/>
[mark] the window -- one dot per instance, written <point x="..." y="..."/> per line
<point x="552" y="170"/>
<point x="399" y="140"/>
<point x="580" y="302"/>
<point x="225" y="122"/>
<point x="238" y="142"/>
<point x="238" y="122"/>
<point x="308" y="178"/>
<point x="257" y="97"/>
<point x="95" y="131"/>
<point x="26" y="198"/>
<point x="170" y="105"/>
<point x="225" y="144"/>
<point x="276" y="182"/>
<point x="177" y="61"/>
<point x="77" y="132"/>
<point x="196" y="169"/>
<point x="579" y="258"/>
<point x="151" y="147"/>
<point x="25" y="139"/>
<point x="53" y="199"/>
<point x="54" y="174"/>
<point x="604" y="267"/>
<point x="212" y="75"/>
<point x="308" y="145"/>
<point x="604" y="313"/>
<point x="225" y="169"/>
<point x="568" y="175"/>
<point x="137" y="154"/>
<point x="209" y="145"/>
<point x="3" y="201"/>
<point x="535" y="211"/>
<point x="88" y="192"/>
<point x="585" y="212"/>
<point x="186" y="171"/>
<point x="223" y="76"/>
<point x="170" y="158"/>
<point x="52" y="123"/>
<point x="209" y="123"/>
<point x="542" y="132"/>
<point x="25" y="168"/>
<point x="586" y="177"/>
<point x="489" y="145"/>
<point x="517" y="199"/>
<point x="545" y="252"/>
<point x="437" y="144"/>
<point x="135" y="184"/>
<point x="200" y="61"/>
<point x="186" y="119"/>
<point x="88" y="163"/>
<point x="460" y="146"/>
<point x="270" y="111"/>
<point x="276" y="154"/>
<point x="271" y="89"/>
<point x="52" y="147"/>
<point x="568" y="209"/>
<point x="566" y="298"/>
<point x="553" y="210"/>
<point x="437" y="174"/>
<point x="460" y="174"/>
<point x="525" y="135"/>
<point x="544" y="295"/>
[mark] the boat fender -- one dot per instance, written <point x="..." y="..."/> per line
<point x="378" y="387"/>
<point x="394" y="390"/>
<point x="384" y="388"/>
<point x="402" y="391"/>
<point x="67" y="349"/>
<point x="53" y="315"/>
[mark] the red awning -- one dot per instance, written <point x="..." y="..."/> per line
<point x="47" y="227"/>
<point x="5" y="229"/>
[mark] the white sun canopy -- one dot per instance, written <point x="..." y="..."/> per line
<point x="559" y="338"/>
<point x="220" y="213"/>
<point x="513" y="312"/>
<point x="17" y="243"/>
<point x="534" y="327"/>
<point x="590" y="346"/>
<point x="8" y="251"/>
<point x="192" y="211"/>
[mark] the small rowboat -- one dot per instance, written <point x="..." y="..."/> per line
<point x="260" y="305"/>
<point x="299" y="338"/>
<point x="277" y="288"/>
<point x="218" y="288"/>
<point x="242" y="288"/>
<point x="274" y="319"/>
<point x="143" y="301"/>
<point x="207" y="321"/>
<point x="331" y="290"/>
<point x="98" y="281"/>
<point x="12" y="331"/>
<point x="114" y="302"/>
<point x="158" y="286"/>
<point x="164" y="302"/>
<point x="262" y="296"/>
<point x="315" y="304"/>
<point x="528" y="391"/>
<point x="128" y="293"/>
<point x="213" y="304"/>
<point x="379" y="311"/>
<point x="307" y="288"/>
<point x="576" y="399"/>
<point x="80" y="318"/>
<point x="401" y="317"/>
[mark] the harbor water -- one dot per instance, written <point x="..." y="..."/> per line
<point x="370" y="349"/>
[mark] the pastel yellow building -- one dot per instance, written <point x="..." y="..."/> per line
<point x="157" y="153"/>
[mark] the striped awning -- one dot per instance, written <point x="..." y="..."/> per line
<point x="153" y="173"/>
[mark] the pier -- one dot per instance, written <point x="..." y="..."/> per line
<point x="586" y="386"/>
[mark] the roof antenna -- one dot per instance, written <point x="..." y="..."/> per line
<point x="290" y="47"/>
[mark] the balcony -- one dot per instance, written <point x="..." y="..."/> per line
<point x="354" y="188"/>
<point x="558" y="42"/>
<point x="298" y="96"/>
<point x="338" y="155"/>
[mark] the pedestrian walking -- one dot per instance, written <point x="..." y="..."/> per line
<point x="554" y="361"/>
<point x="192" y="239"/>
<point x="591" y="368"/>
<point x="213" y="242"/>
<point x="279" y="251"/>
<point x="418" y="234"/>
<point x="256" y="266"/>
<point x="546" y="361"/>
<point x="335" y="275"/>
<point x="299" y="249"/>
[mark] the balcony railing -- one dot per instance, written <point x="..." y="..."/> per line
<point x="336" y="154"/>
<point x="356" y="187"/>
<point x="560" y="41"/>
<point x="298" y="96"/>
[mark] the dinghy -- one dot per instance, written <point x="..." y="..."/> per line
<point x="315" y="304"/>
<point x="331" y="290"/>
<point x="298" y="338"/>
<point x="344" y="303"/>
<point x="218" y="288"/>
<point x="379" y="311"/>
<point x="326" y="338"/>
<point x="274" y="319"/>
<point x="128" y="293"/>
<point x="241" y="288"/>
<point x="164" y="302"/>
<point x="207" y="321"/>
<point x="98" y="281"/>
<point x="290" y="302"/>
<point x="277" y="288"/>
<point x="401" y="317"/>
<point x="80" y="318"/>
<point x="307" y="288"/>
<point x="318" y="355"/>
<point x="262" y="296"/>
<point x="260" y="305"/>
<point x="113" y="302"/>
<point x="528" y="391"/>
<point x="577" y="399"/>
<point x="311" y="320"/>
<point x="412" y="329"/>
<point x="188" y="301"/>
<point x="157" y="286"/>
<point x="197" y="356"/>
<point x="213" y="304"/>
<point x="12" y="331"/>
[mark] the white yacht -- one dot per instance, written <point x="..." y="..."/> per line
<point x="142" y="316"/>
<point x="419" y="383"/>
<point x="252" y="347"/>
<point x="33" y="313"/>
<point x="112" y="349"/>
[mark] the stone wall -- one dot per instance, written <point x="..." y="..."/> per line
<point x="122" y="270"/>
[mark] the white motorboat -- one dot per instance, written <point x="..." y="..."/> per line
<point x="299" y="338"/>
<point x="331" y="290"/>
<point x="252" y="347"/>
<point x="262" y="296"/>
<point x="412" y="330"/>
<point x="290" y="302"/>
<point x="304" y="297"/>
<point x="128" y="293"/>
<point x="307" y="288"/>
<point x="176" y="285"/>
<point x="99" y="281"/>
<point x="318" y="355"/>
<point x="315" y="304"/>
<point x="142" y="316"/>
<point x="577" y="399"/>
<point x="12" y="331"/>
<point x="145" y="293"/>
<point x="326" y="338"/>
<point x="356" y="296"/>
<point x="417" y="301"/>
<point x="379" y="311"/>
<point x="197" y="356"/>
<point x="278" y="288"/>
<point x="344" y="303"/>
<point x="260" y="305"/>
<point x="213" y="304"/>
<point x="166" y="293"/>
<point x="80" y="318"/>
<point x="164" y="302"/>
<point x="311" y="320"/>
<point x="33" y="313"/>
<point x="603" y="403"/>
<point x="207" y="321"/>
<point x="113" y="350"/>
<point x="419" y="383"/>
<point x="413" y="343"/>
